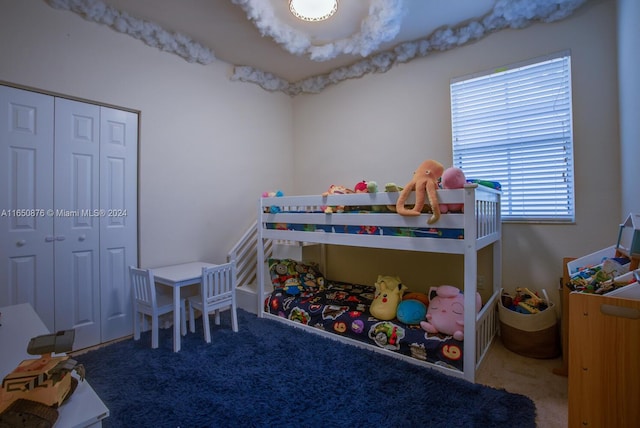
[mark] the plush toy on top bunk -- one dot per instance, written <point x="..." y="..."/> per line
<point x="388" y="295"/>
<point x="446" y="311"/>
<point x="452" y="178"/>
<point x="425" y="183"/>
<point x="336" y="189"/>
<point x="366" y="187"/>
<point x="273" y="208"/>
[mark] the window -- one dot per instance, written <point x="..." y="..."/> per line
<point x="514" y="126"/>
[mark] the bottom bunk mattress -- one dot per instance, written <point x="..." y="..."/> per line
<point x="343" y="309"/>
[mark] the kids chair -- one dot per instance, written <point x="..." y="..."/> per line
<point x="217" y="291"/>
<point x="147" y="301"/>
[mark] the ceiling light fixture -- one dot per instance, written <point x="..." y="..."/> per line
<point x="313" y="10"/>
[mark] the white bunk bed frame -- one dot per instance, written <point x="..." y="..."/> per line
<point x="482" y="227"/>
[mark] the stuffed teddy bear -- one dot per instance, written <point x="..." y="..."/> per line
<point x="425" y="183"/>
<point x="445" y="313"/>
<point x="389" y="290"/>
<point x="452" y="178"/>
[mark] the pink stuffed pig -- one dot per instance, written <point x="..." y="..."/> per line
<point x="452" y="178"/>
<point x="446" y="312"/>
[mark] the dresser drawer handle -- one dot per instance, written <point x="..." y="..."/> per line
<point x="619" y="311"/>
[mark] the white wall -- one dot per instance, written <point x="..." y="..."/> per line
<point x="628" y="48"/>
<point x="382" y="126"/>
<point x="201" y="135"/>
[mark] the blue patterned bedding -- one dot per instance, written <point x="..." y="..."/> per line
<point x="414" y="232"/>
<point x="302" y="295"/>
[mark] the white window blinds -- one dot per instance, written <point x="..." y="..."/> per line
<point x="514" y="126"/>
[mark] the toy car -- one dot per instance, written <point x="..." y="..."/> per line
<point x="33" y="391"/>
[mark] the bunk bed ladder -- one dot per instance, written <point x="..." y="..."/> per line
<point x="244" y="253"/>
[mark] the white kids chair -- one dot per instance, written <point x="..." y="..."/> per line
<point x="217" y="292"/>
<point x="147" y="301"/>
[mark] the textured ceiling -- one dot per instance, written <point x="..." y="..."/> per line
<point x="225" y="28"/>
<point x="269" y="47"/>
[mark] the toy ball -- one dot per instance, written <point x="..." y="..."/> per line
<point x="411" y="311"/>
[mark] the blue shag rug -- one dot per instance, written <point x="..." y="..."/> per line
<point x="273" y="375"/>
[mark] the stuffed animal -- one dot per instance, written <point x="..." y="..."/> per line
<point x="446" y="311"/>
<point x="452" y="178"/>
<point x="393" y="187"/>
<point x="425" y="183"/>
<point x="336" y="190"/>
<point x="367" y="187"/>
<point x="411" y="311"/>
<point x="361" y="187"/>
<point x="389" y="290"/>
<point x="273" y="208"/>
<point x="415" y="295"/>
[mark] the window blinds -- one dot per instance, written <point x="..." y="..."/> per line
<point x="514" y="126"/>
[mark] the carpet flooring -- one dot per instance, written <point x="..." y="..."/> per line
<point x="272" y="375"/>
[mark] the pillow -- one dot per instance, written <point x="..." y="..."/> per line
<point x="280" y="270"/>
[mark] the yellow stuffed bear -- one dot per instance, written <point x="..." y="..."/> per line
<point x="388" y="295"/>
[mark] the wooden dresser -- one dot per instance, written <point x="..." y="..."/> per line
<point x="604" y="360"/>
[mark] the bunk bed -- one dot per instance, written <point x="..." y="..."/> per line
<point x="365" y="221"/>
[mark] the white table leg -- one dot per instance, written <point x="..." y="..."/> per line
<point x="176" y="318"/>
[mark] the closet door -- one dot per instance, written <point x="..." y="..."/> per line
<point x="68" y="212"/>
<point x="26" y="198"/>
<point x="77" y="220"/>
<point x="118" y="227"/>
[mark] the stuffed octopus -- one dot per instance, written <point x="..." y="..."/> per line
<point x="425" y="184"/>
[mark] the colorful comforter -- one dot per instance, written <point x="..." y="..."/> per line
<point x="343" y="309"/>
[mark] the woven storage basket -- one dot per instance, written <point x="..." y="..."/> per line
<point x="531" y="335"/>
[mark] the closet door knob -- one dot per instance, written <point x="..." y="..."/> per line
<point x="82" y="237"/>
<point x="60" y="238"/>
<point x="49" y="238"/>
<point x="21" y="243"/>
